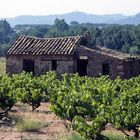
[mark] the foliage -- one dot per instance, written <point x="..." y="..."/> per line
<point x="3" y="49"/>
<point x="2" y="65"/>
<point x="127" y="105"/>
<point x="7" y="98"/>
<point x="111" y="135"/>
<point x="119" y="37"/>
<point x="124" y="38"/>
<point x="7" y="34"/>
<point x="27" y="89"/>
<point x="88" y="103"/>
<point x="5" y="31"/>
<point x="91" y="103"/>
<point x="74" y="136"/>
<point x="61" y="25"/>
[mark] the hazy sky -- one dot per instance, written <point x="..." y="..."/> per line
<point x="11" y="8"/>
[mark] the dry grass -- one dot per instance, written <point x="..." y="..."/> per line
<point x="73" y="136"/>
<point x="2" y="65"/>
<point x="31" y="122"/>
<point x="43" y="125"/>
<point x="22" y="107"/>
<point x="116" y="135"/>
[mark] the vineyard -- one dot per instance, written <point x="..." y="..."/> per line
<point x="89" y="104"/>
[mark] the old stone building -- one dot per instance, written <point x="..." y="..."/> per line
<point x="69" y="55"/>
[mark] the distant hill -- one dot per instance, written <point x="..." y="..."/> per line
<point x="76" y="16"/>
<point x="130" y="20"/>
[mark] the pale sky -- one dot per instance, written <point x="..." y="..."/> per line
<point x="12" y="8"/>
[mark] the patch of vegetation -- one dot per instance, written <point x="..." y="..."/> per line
<point x="117" y="136"/>
<point x="108" y="136"/>
<point x="15" y="118"/>
<point x="22" y="107"/>
<point x="89" y="104"/>
<point x="30" y="123"/>
<point x="75" y="136"/>
<point x="2" y="65"/>
<point x="29" y="138"/>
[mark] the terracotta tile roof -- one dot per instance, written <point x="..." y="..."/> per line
<point x="113" y="53"/>
<point x="60" y="46"/>
<point x="37" y="46"/>
<point x="117" y="54"/>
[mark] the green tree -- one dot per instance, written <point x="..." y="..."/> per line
<point x="134" y="49"/>
<point x="61" y="25"/>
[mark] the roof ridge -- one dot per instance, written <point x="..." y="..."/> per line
<point x="118" y="52"/>
<point x="110" y="53"/>
<point x="32" y="37"/>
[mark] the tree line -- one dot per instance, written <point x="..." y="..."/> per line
<point x="124" y="38"/>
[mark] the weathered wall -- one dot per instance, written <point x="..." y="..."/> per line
<point x="68" y="64"/>
<point x="13" y="64"/>
<point x="117" y="66"/>
<point x="42" y="64"/>
<point x="132" y="68"/>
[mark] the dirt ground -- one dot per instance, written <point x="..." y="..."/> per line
<point x="55" y="129"/>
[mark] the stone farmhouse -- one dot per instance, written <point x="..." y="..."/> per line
<point x="72" y="54"/>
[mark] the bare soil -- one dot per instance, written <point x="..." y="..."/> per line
<point x="54" y="130"/>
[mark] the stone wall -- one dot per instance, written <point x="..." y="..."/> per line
<point x="65" y="64"/>
<point x="68" y="64"/>
<point x="132" y="68"/>
<point x="13" y="64"/>
<point x="42" y="64"/>
<point x="118" y="67"/>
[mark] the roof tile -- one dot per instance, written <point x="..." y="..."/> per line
<point x="37" y="46"/>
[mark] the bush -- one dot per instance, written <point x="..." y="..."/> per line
<point x="7" y="94"/>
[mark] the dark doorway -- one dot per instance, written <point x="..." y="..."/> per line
<point x="28" y="65"/>
<point x="131" y="72"/>
<point x="105" y="69"/>
<point x="54" y="65"/>
<point x="82" y="67"/>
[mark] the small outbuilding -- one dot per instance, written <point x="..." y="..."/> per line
<point x="72" y="54"/>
